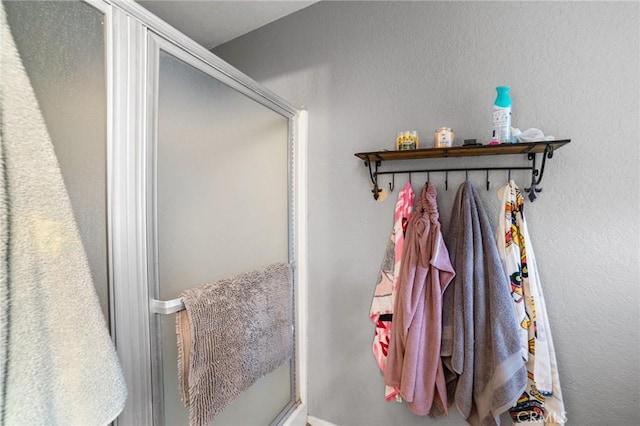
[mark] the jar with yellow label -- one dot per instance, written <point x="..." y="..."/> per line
<point x="407" y="140"/>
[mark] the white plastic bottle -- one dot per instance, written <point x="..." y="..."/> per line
<point x="502" y="116"/>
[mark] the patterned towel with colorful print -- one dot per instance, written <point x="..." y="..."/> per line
<point x="541" y="402"/>
<point x="381" y="312"/>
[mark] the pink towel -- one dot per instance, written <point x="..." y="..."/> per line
<point x="413" y="363"/>
<point x="381" y="311"/>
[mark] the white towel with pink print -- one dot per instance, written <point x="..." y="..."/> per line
<point x="381" y="312"/>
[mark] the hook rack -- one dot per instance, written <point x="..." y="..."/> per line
<point x="373" y="161"/>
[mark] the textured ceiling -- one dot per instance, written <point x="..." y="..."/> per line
<point x="212" y="23"/>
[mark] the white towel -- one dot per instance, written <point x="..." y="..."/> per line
<point x="541" y="402"/>
<point x="58" y="365"/>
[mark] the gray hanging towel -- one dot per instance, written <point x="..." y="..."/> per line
<point x="58" y="365"/>
<point x="480" y="343"/>
<point x="232" y="333"/>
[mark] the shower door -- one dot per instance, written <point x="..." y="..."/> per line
<point x="220" y="205"/>
<point x="180" y="172"/>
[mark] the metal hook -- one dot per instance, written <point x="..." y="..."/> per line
<point x="410" y="183"/>
<point x="488" y="179"/>
<point x="392" y="184"/>
<point x="446" y="180"/>
<point x="428" y="176"/>
<point x="509" y="178"/>
<point x="466" y="175"/>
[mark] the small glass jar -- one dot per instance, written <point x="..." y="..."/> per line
<point x="443" y="137"/>
<point x="407" y="140"/>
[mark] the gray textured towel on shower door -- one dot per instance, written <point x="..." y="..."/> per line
<point x="232" y="333"/>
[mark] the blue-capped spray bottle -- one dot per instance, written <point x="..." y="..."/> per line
<point x="502" y="116"/>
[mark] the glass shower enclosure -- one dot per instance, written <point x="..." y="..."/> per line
<point x="221" y="206"/>
<point x="181" y="171"/>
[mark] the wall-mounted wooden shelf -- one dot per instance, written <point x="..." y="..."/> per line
<point x="374" y="159"/>
<point x="463" y="151"/>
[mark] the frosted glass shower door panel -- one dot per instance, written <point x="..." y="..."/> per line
<point x="62" y="47"/>
<point x="222" y="208"/>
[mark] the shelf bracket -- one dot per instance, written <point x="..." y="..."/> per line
<point x="373" y="174"/>
<point x="536" y="174"/>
